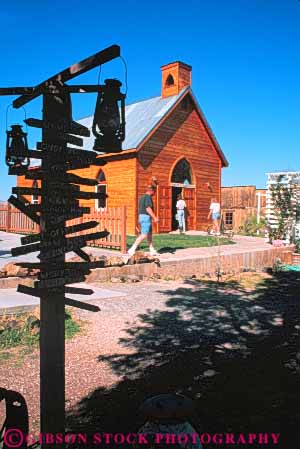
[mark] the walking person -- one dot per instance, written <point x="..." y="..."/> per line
<point x="146" y="215"/>
<point x="215" y="214"/>
<point x="181" y="206"/>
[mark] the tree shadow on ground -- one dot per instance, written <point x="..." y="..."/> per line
<point x="234" y="350"/>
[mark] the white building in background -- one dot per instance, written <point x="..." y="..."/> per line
<point x="290" y="180"/>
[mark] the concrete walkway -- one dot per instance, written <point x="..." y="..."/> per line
<point x="10" y="298"/>
<point x="241" y="244"/>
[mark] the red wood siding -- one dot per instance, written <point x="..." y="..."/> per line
<point x="182" y="135"/>
<point x="120" y="176"/>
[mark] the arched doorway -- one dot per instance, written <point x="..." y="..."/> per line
<point x="101" y="187"/>
<point x="182" y="183"/>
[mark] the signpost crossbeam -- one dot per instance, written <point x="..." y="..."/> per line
<point x="71" y="72"/>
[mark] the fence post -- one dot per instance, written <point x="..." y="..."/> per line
<point x="8" y="218"/>
<point x="123" y="230"/>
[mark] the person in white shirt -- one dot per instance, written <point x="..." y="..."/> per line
<point x="215" y="214"/>
<point x="181" y="206"/>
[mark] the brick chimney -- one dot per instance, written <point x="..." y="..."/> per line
<point x="175" y="76"/>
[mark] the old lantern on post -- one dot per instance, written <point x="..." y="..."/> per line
<point x="109" y="118"/>
<point x="16" y="149"/>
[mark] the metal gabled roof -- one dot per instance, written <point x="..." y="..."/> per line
<point x="142" y="118"/>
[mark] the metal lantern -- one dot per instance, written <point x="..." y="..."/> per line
<point x="109" y="118"/>
<point x="16" y="149"/>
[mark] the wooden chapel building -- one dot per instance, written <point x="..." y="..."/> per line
<point x="167" y="137"/>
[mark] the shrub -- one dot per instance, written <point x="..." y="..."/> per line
<point x="251" y="227"/>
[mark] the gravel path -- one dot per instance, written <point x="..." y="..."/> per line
<point x="101" y="337"/>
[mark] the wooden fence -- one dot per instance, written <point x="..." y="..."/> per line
<point x="113" y="219"/>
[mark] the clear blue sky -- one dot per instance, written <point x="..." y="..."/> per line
<point x="244" y="53"/>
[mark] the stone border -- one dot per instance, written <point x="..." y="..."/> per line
<point x="199" y="266"/>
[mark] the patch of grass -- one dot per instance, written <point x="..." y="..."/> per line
<point x="24" y="330"/>
<point x="4" y="355"/>
<point x="19" y="335"/>
<point x="72" y="327"/>
<point x="169" y="242"/>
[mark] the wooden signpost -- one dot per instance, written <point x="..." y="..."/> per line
<point x="59" y="192"/>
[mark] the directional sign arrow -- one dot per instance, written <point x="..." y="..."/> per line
<point x="68" y="301"/>
<point x="56" y="190"/>
<point x="90" y="195"/>
<point x="67" y="230"/>
<point x="69" y="177"/>
<point x="23" y="208"/>
<point x="57" y="219"/>
<point x="61" y="273"/>
<point x="19" y="250"/>
<point x="59" y="282"/>
<point x="33" y="154"/>
<point x="69" y="127"/>
<point x="56" y="209"/>
<point x="34" y="208"/>
<point x="71" y="244"/>
<point x="26" y="191"/>
<point x="81" y="305"/>
<point x="83" y="255"/>
<point x="63" y="149"/>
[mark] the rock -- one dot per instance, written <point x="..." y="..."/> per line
<point x="141" y="257"/>
<point x="115" y="280"/>
<point x="13" y="270"/>
<point x="133" y="278"/>
<point x="79" y="259"/>
<point x="12" y="324"/>
<point x="32" y="322"/>
<point x="35" y="331"/>
<point x="113" y="261"/>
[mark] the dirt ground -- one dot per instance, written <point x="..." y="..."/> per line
<point x="232" y="347"/>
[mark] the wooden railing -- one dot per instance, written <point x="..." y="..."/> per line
<point x="113" y="219"/>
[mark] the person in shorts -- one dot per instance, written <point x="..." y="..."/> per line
<point x="146" y="215"/>
<point x="215" y="214"/>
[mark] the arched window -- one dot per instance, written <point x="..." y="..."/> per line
<point x="169" y="80"/>
<point x="35" y="198"/>
<point x="101" y="188"/>
<point x="182" y="173"/>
